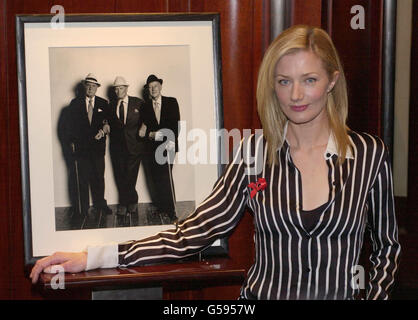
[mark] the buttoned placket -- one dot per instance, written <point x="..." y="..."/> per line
<point x="309" y="235"/>
<point x="331" y="185"/>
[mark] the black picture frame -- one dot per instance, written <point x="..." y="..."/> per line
<point x="22" y="21"/>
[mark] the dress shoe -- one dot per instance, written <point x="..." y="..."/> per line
<point x="133" y="208"/>
<point x="175" y="221"/>
<point x="169" y="216"/>
<point x="121" y="211"/>
<point x="77" y="221"/>
<point x="107" y="210"/>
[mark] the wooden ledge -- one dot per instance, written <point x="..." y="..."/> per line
<point x="213" y="271"/>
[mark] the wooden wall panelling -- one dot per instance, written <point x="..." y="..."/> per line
<point x="236" y="43"/>
<point x="86" y="6"/>
<point x="178" y="6"/>
<point x="388" y="66"/>
<point x="137" y="6"/>
<point x="375" y="36"/>
<point x="326" y="15"/>
<point x="306" y="12"/>
<point x="5" y="275"/>
<point x="412" y="223"/>
<point x="261" y="41"/>
<point x="146" y="6"/>
<point x="361" y="55"/>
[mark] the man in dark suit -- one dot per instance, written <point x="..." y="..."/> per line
<point x="87" y="132"/>
<point x="160" y="132"/>
<point x="125" y="149"/>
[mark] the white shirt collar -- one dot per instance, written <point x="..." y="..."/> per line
<point x="126" y="100"/>
<point x="331" y="146"/>
<point x="158" y="100"/>
<point x="88" y="99"/>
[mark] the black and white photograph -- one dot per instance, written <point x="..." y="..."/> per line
<point x="108" y="113"/>
<point x="105" y="173"/>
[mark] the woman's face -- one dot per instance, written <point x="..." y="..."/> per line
<point x="302" y="85"/>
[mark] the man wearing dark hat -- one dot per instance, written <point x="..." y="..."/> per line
<point x="125" y="148"/>
<point x="87" y="130"/>
<point x="161" y="115"/>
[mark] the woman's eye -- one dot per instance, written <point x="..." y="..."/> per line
<point x="310" y="80"/>
<point x="283" y="82"/>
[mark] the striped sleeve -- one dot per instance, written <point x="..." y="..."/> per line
<point x="214" y="218"/>
<point x="384" y="234"/>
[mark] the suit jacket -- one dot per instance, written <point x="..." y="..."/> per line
<point x="81" y="132"/>
<point x="125" y="138"/>
<point x="170" y="115"/>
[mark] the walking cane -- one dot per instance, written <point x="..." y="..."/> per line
<point x="172" y="185"/>
<point x="78" y="182"/>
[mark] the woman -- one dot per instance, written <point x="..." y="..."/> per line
<point x="320" y="186"/>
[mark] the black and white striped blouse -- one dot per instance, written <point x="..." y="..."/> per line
<point x="291" y="262"/>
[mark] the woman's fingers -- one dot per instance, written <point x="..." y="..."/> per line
<point x="71" y="262"/>
<point x="41" y="264"/>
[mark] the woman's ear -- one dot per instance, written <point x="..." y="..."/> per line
<point x="334" y="80"/>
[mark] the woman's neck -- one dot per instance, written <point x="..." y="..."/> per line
<point x="308" y="136"/>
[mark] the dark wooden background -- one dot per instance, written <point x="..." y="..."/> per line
<point x="245" y="34"/>
<point x="413" y="128"/>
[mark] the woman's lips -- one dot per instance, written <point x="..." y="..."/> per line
<point x="299" y="108"/>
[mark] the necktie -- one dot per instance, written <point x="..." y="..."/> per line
<point x="90" y="111"/>
<point x="157" y="111"/>
<point x="122" y="113"/>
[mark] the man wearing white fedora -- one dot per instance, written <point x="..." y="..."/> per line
<point x="86" y="135"/>
<point x="125" y="149"/>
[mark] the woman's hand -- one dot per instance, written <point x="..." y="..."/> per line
<point x="70" y="261"/>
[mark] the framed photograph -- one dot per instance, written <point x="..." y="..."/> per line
<point x="72" y="77"/>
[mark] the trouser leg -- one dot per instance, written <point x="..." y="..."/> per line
<point x="73" y="186"/>
<point x="119" y="160"/>
<point x="132" y="169"/>
<point x="83" y="170"/>
<point x="161" y="179"/>
<point x="97" y="184"/>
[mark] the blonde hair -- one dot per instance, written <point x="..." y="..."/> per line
<point x="316" y="40"/>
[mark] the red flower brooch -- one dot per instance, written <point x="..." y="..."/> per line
<point x="260" y="185"/>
